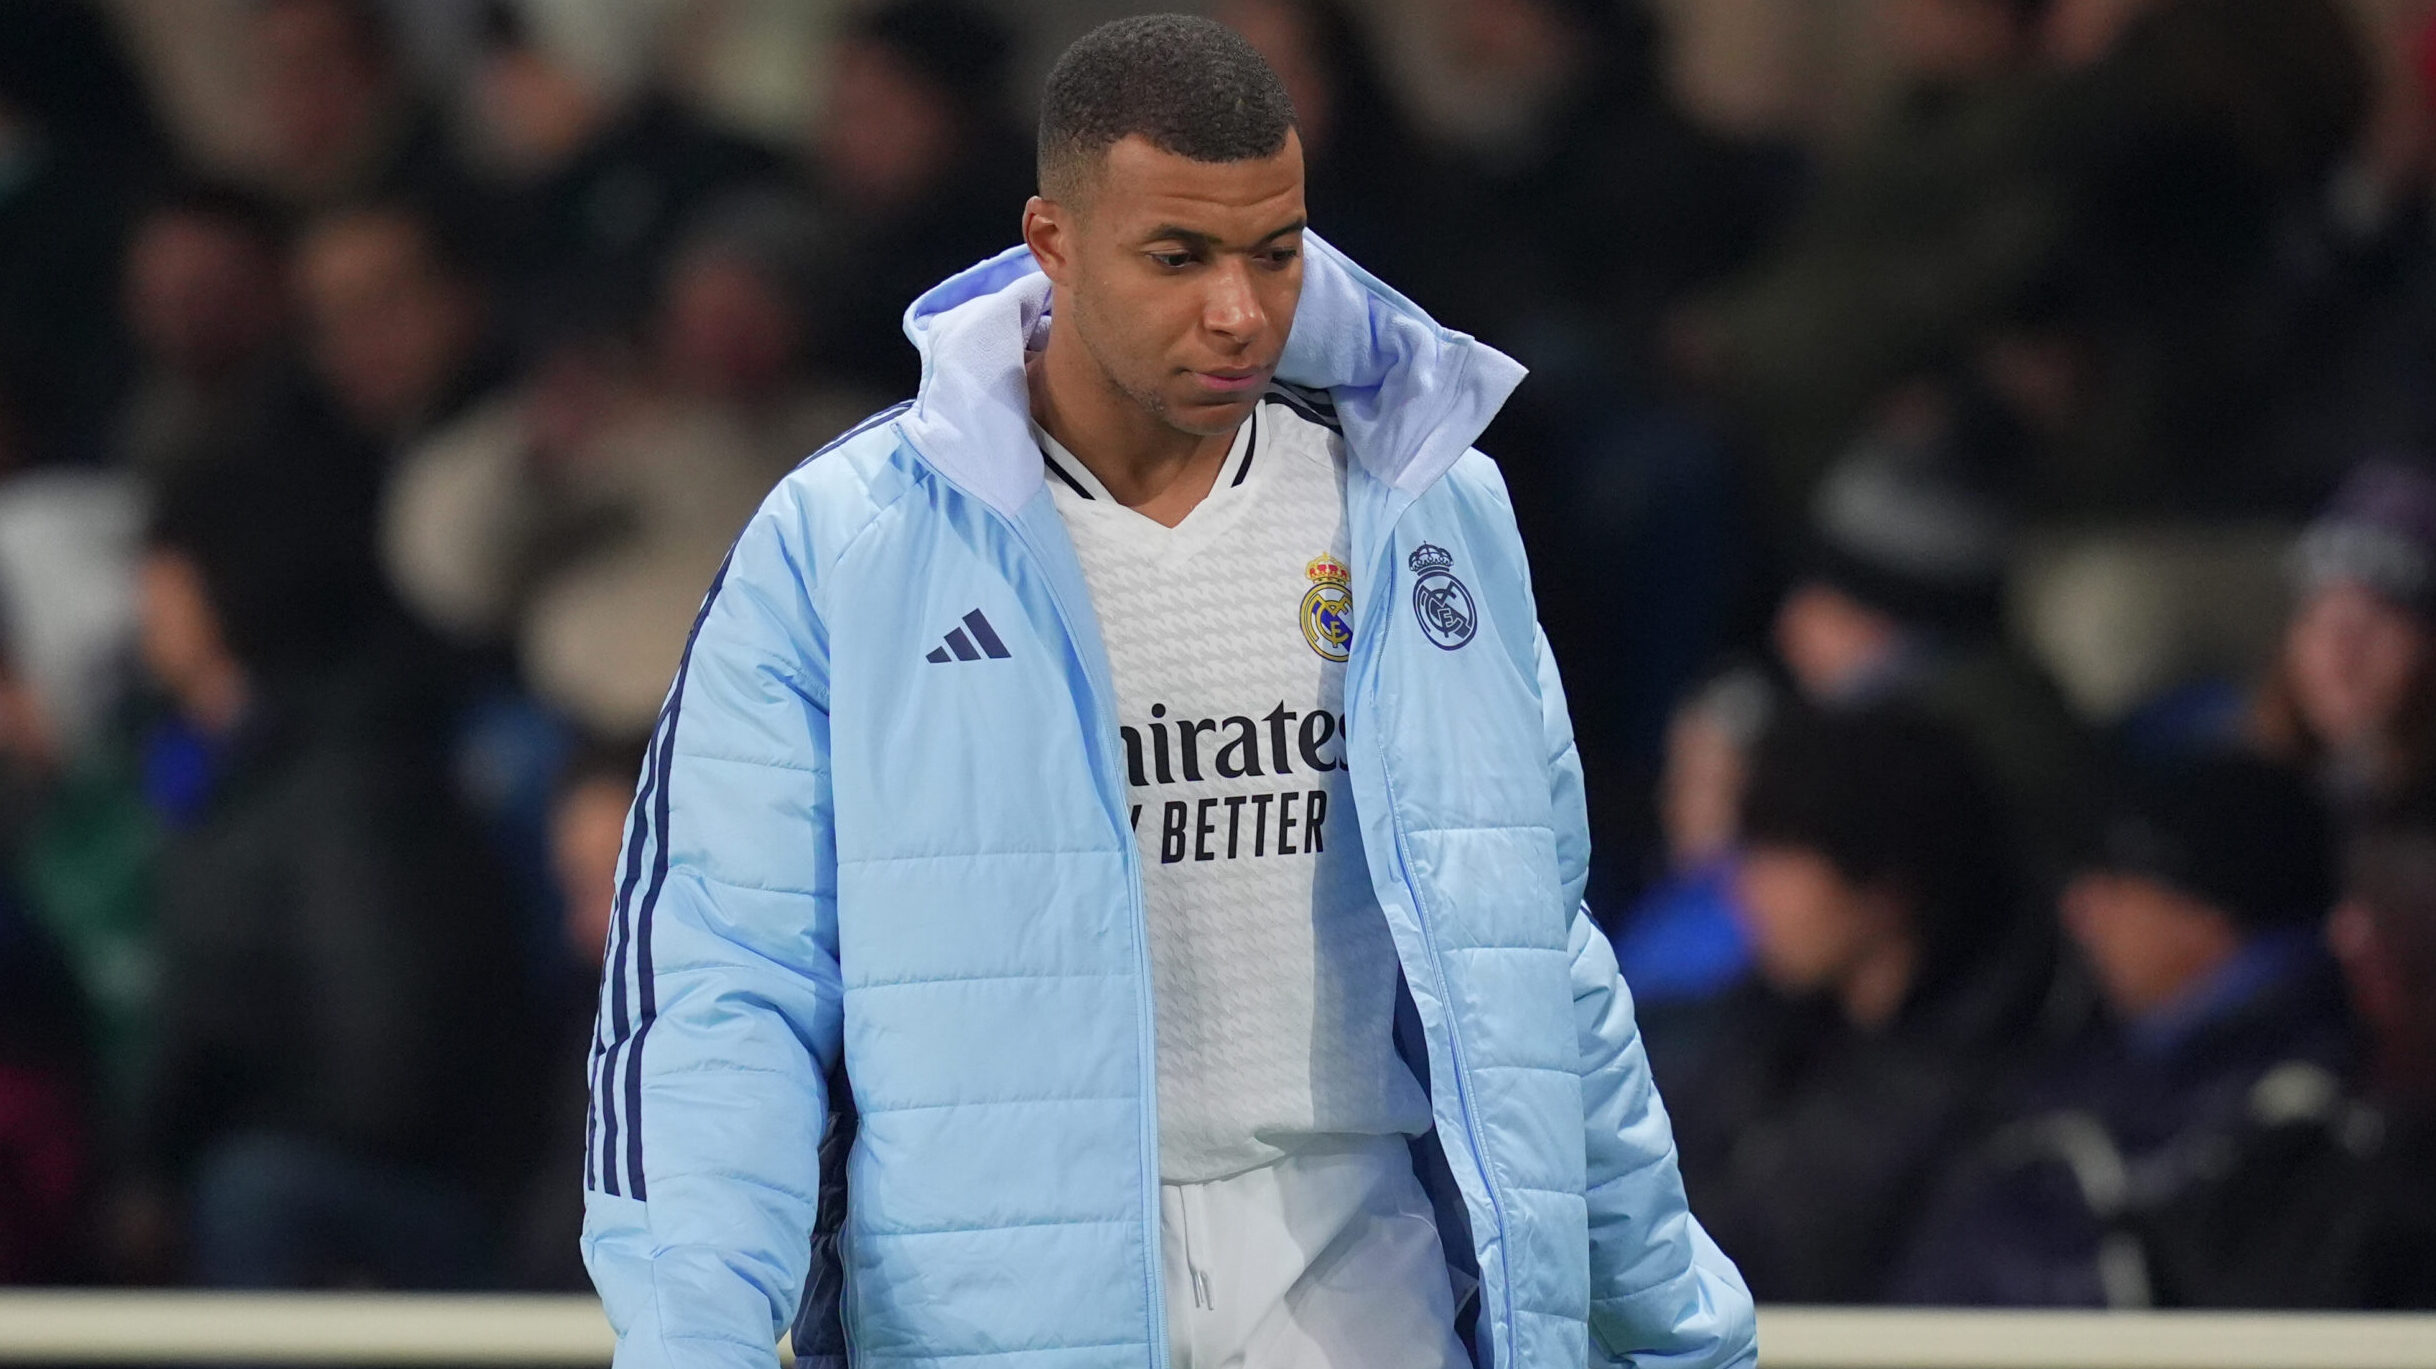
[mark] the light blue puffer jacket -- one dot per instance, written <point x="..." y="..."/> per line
<point x="841" y="846"/>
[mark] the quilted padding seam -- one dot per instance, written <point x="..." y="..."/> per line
<point x="845" y="861"/>
<point x="1574" y="1193"/>
<point x="876" y="1110"/>
<point x="1040" y="1224"/>
<point x="874" y="1361"/>
<point x="717" y="1066"/>
<point x="1638" y="1168"/>
<point x="759" y="762"/>
<point x="708" y="878"/>
<point x="1456" y="828"/>
<point x="862" y="987"/>
<point x="726" y="1175"/>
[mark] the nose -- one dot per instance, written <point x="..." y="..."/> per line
<point x="1232" y="309"/>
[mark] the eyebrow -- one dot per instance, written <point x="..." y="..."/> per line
<point x="1192" y="237"/>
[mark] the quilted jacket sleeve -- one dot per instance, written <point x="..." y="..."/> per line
<point x="720" y="1005"/>
<point x="1661" y="1292"/>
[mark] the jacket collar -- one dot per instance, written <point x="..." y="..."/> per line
<point x="1412" y="396"/>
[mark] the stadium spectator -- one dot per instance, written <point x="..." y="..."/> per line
<point x="341" y="1017"/>
<point x="598" y="169"/>
<point x="2093" y="235"/>
<point x="393" y="320"/>
<point x="1899" y="597"/>
<point x="344" y="119"/>
<point x="1681" y="946"/>
<point x="1894" y="973"/>
<point x="585" y="538"/>
<point x="2352" y="699"/>
<point x="204" y="293"/>
<point x="2324" y="1197"/>
<point x="922" y="167"/>
<point x="2199" y="921"/>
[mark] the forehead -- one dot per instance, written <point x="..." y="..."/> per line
<point x="1141" y="188"/>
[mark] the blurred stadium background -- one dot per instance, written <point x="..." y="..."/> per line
<point x="1979" y="463"/>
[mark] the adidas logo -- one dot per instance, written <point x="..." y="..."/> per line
<point x="983" y="642"/>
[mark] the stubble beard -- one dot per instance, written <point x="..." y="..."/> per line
<point x="1148" y="397"/>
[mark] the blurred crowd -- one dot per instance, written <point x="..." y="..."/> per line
<point x="1986" y="513"/>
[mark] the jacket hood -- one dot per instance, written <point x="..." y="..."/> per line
<point x="1412" y="396"/>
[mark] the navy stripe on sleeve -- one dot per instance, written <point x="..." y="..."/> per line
<point x="617" y="1061"/>
<point x="647" y="1008"/>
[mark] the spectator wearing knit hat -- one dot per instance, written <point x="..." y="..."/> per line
<point x="2199" y="920"/>
<point x="1896" y="969"/>
<point x="2353" y="695"/>
<point x="1899" y="599"/>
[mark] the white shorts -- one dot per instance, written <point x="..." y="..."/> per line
<point x="1328" y="1259"/>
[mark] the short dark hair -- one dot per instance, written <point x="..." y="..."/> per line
<point x="1191" y="86"/>
<point x="1892" y="797"/>
<point x="280" y="551"/>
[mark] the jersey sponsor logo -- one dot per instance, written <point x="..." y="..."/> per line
<point x="1286" y="820"/>
<point x="1327" y="611"/>
<point x="1440" y="602"/>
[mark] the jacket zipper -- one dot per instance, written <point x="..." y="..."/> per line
<point x="1454" y="1033"/>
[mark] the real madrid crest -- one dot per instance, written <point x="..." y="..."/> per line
<point x="1440" y="601"/>
<point x="1327" y="611"/>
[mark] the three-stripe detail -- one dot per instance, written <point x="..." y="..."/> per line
<point x="613" y="1138"/>
<point x="982" y="642"/>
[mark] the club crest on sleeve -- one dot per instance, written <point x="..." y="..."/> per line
<point x="1327" y="611"/>
<point x="1441" y="603"/>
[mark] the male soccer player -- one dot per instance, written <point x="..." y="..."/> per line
<point x="1130" y="778"/>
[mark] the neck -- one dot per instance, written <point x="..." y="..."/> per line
<point x="1150" y="465"/>
<point x="1875" y="989"/>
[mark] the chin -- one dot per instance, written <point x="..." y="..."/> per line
<point x="1209" y="418"/>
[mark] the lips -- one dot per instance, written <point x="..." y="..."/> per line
<point x="1233" y="381"/>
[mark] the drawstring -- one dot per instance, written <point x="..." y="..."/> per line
<point x="1193" y="1272"/>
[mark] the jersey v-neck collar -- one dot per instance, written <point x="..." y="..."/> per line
<point x="1068" y="470"/>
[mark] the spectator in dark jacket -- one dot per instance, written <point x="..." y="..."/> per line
<point x="2327" y="1196"/>
<point x="1899" y="597"/>
<point x="1893" y="968"/>
<point x="2199" y="922"/>
<point x="598" y="168"/>
<point x="339" y="1013"/>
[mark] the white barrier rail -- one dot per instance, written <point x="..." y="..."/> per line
<point x="111" y="1327"/>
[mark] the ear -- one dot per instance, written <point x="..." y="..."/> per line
<point x="1048" y="229"/>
